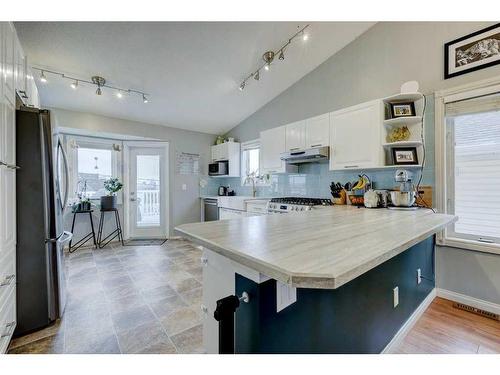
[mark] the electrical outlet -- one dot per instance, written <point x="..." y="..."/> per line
<point x="419" y="275"/>
<point x="395" y="293"/>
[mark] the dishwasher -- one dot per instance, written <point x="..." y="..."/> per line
<point x="211" y="210"/>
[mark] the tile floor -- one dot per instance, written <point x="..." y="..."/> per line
<point x="127" y="300"/>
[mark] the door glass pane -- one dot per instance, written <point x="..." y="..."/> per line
<point x="148" y="190"/>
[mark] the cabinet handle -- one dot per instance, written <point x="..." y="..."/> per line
<point x="204" y="309"/>
<point x="10" y="166"/>
<point x="351" y="166"/>
<point x="9" y="329"/>
<point x="318" y="145"/>
<point x="204" y="261"/>
<point x="8" y="280"/>
<point x="295" y="148"/>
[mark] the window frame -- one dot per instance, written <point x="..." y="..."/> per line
<point x="246" y="146"/>
<point x="73" y="142"/>
<point x="444" y="171"/>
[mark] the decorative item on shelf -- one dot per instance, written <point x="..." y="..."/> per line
<point x="406" y="109"/>
<point x="219" y="140"/>
<point x="230" y="139"/>
<point x="399" y="134"/>
<point x="472" y="52"/>
<point x="83" y="203"/>
<point x="404" y="156"/>
<point x="112" y="186"/>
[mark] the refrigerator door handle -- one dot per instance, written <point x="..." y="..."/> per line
<point x="64" y="201"/>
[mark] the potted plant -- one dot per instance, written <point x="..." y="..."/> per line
<point x="112" y="186"/>
<point x="83" y="203"/>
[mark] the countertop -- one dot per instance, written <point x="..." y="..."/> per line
<point x="323" y="248"/>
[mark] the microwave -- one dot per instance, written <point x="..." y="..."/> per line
<point x="219" y="168"/>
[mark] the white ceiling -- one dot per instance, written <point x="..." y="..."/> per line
<point x="191" y="69"/>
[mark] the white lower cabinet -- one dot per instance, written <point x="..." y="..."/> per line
<point x="7" y="318"/>
<point x="227" y="213"/>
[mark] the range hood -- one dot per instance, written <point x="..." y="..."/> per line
<point x="306" y="156"/>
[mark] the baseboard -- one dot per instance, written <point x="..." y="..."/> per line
<point x="467" y="300"/>
<point x="403" y="331"/>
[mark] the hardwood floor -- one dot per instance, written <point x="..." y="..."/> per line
<point x="443" y="329"/>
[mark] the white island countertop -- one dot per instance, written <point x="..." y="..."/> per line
<point x="323" y="248"/>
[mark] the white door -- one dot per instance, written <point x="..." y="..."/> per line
<point x="272" y="144"/>
<point x="355" y="137"/>
<point x="147" y="191"/>
<point x="296" y="136"/>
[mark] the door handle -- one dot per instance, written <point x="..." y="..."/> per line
<point x="8" y="280"/>
<point x="10" y="329"/>
<point x="133" y="199"/>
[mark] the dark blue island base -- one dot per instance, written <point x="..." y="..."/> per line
<point x="358" y="317"/>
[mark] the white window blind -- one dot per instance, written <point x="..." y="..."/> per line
<point x="473" y="162"/>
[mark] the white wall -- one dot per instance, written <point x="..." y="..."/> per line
<point x="374" y="66"/>
<point x="184" y="206"/>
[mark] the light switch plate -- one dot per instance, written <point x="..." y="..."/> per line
<point x="285" y="295"/>
<point x="184" y="187"/>
<point x="395" y="292"/>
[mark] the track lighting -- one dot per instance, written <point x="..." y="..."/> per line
<point x="43" y="79"/>
<point x="269" y="56"/>
<point x="98" y="81"/>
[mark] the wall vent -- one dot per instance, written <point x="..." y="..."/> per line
<point x="477" y="311"/>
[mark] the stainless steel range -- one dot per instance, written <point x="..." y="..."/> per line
<point x="295" y="204"/>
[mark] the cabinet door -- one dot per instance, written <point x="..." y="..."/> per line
<point x="20" y="74"/>
<point x="296" y="136"/>
<point x="7" y="52"/>
<point x="272" y="144"/>
<point x="318" y="131"/>
<point x="355" y="137"/>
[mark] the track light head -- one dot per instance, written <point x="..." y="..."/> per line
<point x="282" y="55"/>
<point x="268" y="57"/>
<point x="242" y="86"/>
<point x="99" y="81"/>
<point x="98" y="91"/>
<point x="43" y="79"/>
<point x="144" y="99"/>
<point x="256" y="75"/>
<point x="74" y="85"/>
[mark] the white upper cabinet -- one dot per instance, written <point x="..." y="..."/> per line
<point x="229" y="151"/>
<point x="355" y="137"/>
<point x="20" y="70"/>
<point x="296" y="136"/>
<point x="272" y="145"/>
<point x="7" y="52"/>
<point x="317" y="131"/>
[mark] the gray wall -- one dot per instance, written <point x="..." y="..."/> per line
<point x="184" y="206"/>
<point x="374" y="66"/>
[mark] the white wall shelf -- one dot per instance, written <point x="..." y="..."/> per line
<point x="406" y="97"/>
<point x="402" y="144"/>
<point x="403" y="121"/>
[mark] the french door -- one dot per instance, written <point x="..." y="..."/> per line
<point x="146" y="191"/>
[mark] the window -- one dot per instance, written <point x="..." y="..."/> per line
<point x="250" y="163"/>
<point x="472" y="165"/>
<point x="93" y="161"/>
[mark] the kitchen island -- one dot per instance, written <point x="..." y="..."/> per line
<point x="325" y="281"/>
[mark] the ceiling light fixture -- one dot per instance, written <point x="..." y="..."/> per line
<point x="98" y="81"/>
<point x="43" y="79"/>
<point x="268" y="56"/>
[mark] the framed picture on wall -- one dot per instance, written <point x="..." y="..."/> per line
<point x="472" y="52"/>
<point x="402" y="109"/>
<point x="404" y="156"/>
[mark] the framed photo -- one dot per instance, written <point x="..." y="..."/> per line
<point x="402" y="109"/>
<point x="404" y="156"/>
<point x="472" y="52"/>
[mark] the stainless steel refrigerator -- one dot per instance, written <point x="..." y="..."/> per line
<point x="41" y="197"/>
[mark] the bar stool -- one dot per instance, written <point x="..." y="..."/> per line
<point x="87" y="237"/>
<point x="115" y="233"/>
